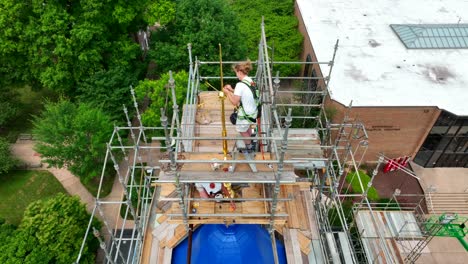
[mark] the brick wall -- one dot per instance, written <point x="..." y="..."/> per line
<point x="307" y="48"/>
<point x="394" y="131"/>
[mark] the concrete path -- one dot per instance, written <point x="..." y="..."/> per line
<point x="23" y="150"/>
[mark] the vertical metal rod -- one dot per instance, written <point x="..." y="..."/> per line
<point x="273" y="246"/>
<point x="113" y="239"/>
<point x="284" y="147"/>
<point x="188" y="98"/>
<point x="103" y="245"/>
<point x="168" y="142"/>
<point x="182" y="204"/>
<point x="129" y="123"/>
<point x="267" y="62"/>
<point x="135" y="104"/>
<point x="124" y="185"/>
<point x="116" y="131"/>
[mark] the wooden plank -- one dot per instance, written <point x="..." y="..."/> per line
<point x="161" y="219"/>
<point x="346" y="248"/>
<point x="253" y="207"/>
<point x="291" y="209"/>
<point x="288" y="245"/>
<point x="304" y="218"/>
<point x="166" y="189"/>
<point x="160" y="255"/>
<point x="291" y="244"/>
<point x="205" y="207"/>
<point x="279" y="228"/>
<point x="163" y="206"/>
<point x="147" y="245"/>
<point x="168" y="250"/>
<point x="154" y="256"/>
<point x="179" y="234"/>
<point x="304" y="242"/>
<point x="311" y="215"/>
<point x="300" y="211"/>
<point x="159" y="232"/>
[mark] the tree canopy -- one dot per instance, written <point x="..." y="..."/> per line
<point x="52" y="231"/>
<point x="203" y="23"/>
<point x="8" y="103"/>
<point x="159" y="94"/>
<point x="7" y="161"/>
<point x="280" y="29"/>
<point x="75" y="47"/>
<point x="73" y="136"/>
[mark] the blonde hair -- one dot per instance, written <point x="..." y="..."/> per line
<point x="243" y="67"/>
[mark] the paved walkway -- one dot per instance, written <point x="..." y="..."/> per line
<point x="23" y="150"/>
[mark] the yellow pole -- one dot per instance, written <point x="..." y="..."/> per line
<point x="223" y="114"/>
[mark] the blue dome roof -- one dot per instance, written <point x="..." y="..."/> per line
<point x="236" y="244"/>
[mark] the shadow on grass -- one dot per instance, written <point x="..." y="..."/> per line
<point x="19" y="188"/>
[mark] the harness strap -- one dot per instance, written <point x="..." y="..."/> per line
<point x="251" y="117"/>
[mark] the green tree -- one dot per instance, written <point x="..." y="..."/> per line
<point x="7" y="161"/>
<point x="52" y="231"/>
<point x="9" y="106"/>
<point x="73" y="136"/>
<point x="68" y="46"/>
<point x="160" y="11"/>
<point x="281" y="30"/>
<point x="159" y="94"/>
<point x="203" y="23"/>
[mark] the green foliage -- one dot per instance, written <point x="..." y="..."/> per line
<point x="8" y="104"/>
<point x="73" y="136"/>
<point x="353" y="179"/>
<point x="51" y="232"/>
<point x="6" y="232"/>
<point x="160" y="11"/>
<point x="109" y="90"/>
<point x="7" y="161"/>
<point x="203" y="23"/>
<point x="160" y="96"/>
<point x="333" y="217"/>
<point x="280" y="30"/>
<point x="107" y="182"/>
<point x="19" y="188"/>
<point x="27" y="102"/>
<point x="75" y="47"/>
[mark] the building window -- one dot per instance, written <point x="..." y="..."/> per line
<point x="447" y="143"/>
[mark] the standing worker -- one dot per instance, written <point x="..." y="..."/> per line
<point x="243" y="98"/>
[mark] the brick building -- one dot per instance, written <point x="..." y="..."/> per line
<point x="405" y="72"/>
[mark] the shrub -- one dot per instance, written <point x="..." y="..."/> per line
<point x="352" y="178"/>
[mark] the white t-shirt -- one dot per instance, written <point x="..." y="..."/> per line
<point x="247" y="99"/>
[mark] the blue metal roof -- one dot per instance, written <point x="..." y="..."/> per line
<point x="432" y="36"/>
<point x="235" y="244"/>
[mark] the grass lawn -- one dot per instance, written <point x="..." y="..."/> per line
<point x="21" y="187"/>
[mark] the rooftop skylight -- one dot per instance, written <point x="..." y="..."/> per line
<point x="432" y="36"/>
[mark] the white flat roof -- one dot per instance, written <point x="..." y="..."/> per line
<point x="373" y="67"/>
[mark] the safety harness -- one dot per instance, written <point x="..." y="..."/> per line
<point x="252" y="117"/>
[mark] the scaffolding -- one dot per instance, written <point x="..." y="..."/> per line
<point x="298" y="169"/>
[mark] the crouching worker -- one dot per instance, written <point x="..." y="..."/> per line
<point x="242" y="96"/>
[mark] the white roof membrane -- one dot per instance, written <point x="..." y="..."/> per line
<point x="373" y="67"/>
